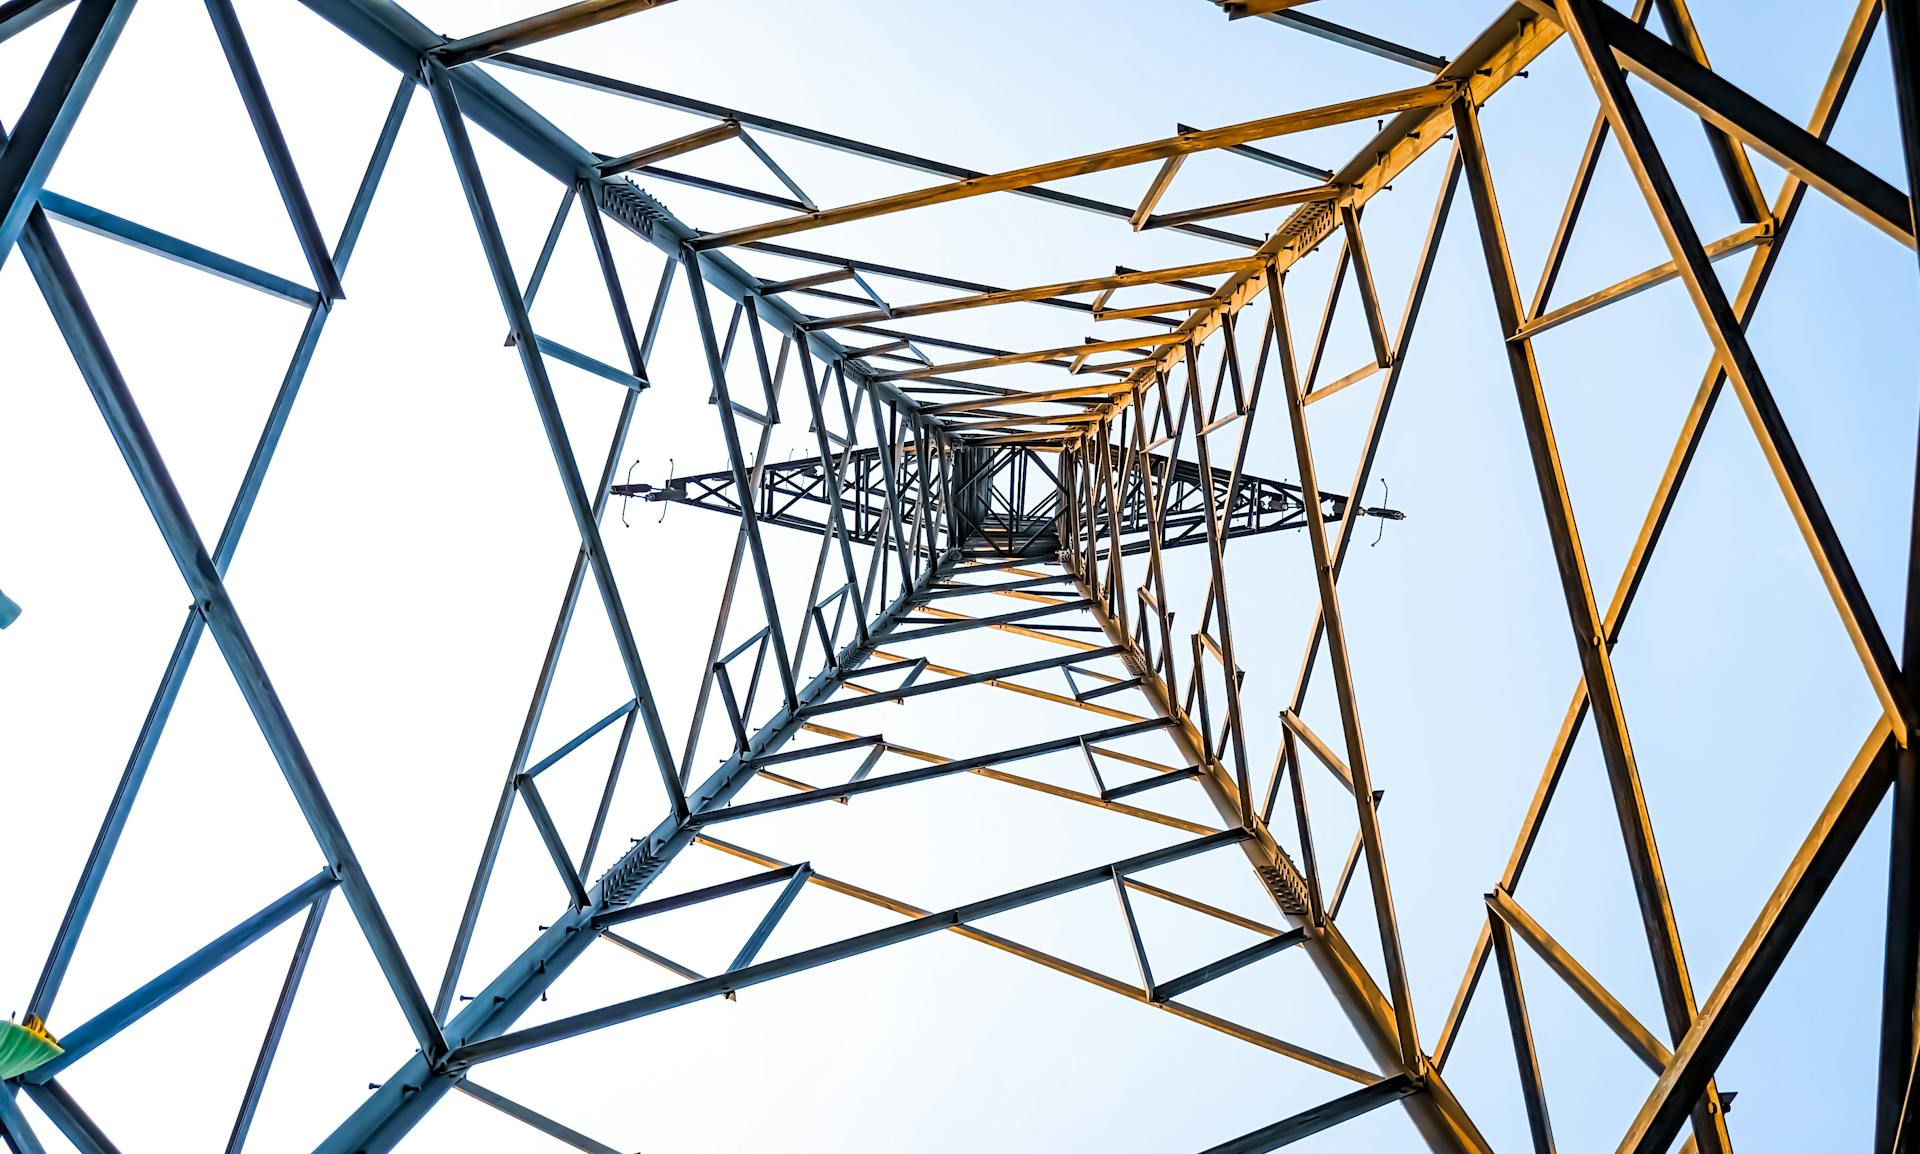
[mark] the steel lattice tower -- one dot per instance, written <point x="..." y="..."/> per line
<point x="944" y="509"/>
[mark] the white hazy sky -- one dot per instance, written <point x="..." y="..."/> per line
<point x="411" y="545"/>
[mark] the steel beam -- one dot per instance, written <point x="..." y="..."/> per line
<point x="838" y="143"/>
<point x="1385" y="104"/>
<point x="102" y="1027"/>
<point x="1310" y="1122"/>
<point x="1520" y="1027"/>
<point x="1688" y="1077"/>
<point x="402" y="1100"/>
<point x="1585" y="27"/>
<point x="532" y="30"/>
<point x="56" y="102"/>
<point x="273" y="144"/>
<point x="1727" y="108"/>
<point x="957" y="473"/>
<point x="453" y="123"/>
<point x="633" y="1009"/>
<point x="277" y="1025"/>
<point x="203" y="578"/>
<point x="101" y="853"/>
<point x="1412" y="1057"/>
<point x="1596" y="659"/>
<point x="1785" y="211"/>
<point x="534" y="1118"/>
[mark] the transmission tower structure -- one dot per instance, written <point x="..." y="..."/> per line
<point x="972" y="537"/>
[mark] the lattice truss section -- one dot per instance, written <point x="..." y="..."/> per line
<point x="974" y="541"/>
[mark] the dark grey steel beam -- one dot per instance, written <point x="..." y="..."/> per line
<point x="102" y="223"/>
<point x="108" y="1023"/>
<point x="1731" y="110"/>
<point x="74" y="1123"/>
<point x="535" y="1119"/>
<point x="1239" y="959"/>
<point x="1310" y="1122"/>
<point x="1352" y="38"/>
<point x="42" y="132"/>
<point x="726" y="889"/>
<point x="1520" y="1027"/>
<point x="1736" y="171"/>
<point x="1897" y="1115"/>
<point x="16" y="16"/>
<point x="277" y="1024"/>
<point x="273" y="143"/>
<point x="19" y="1136"/>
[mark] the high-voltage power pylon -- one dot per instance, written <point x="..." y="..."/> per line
<point x="960" y="508"/>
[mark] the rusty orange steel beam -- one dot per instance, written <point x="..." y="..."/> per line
<point x="1201" y="140"/>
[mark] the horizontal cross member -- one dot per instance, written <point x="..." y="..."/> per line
<point x="633" y="1009"/>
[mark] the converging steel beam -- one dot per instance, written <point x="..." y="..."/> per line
<point x="1501" y="53"/>
<point x="639" y="349"/>
<point x="1412" y="1057"/>
<point x="402" y="1100"/>
<point x="1509" y="916"/>
<point x="453" y="123"/>
<point x="1082" y="973"/>
<point x="1439" y="1116"/>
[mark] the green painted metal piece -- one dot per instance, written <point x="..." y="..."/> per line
<point x="23" y="1048"/>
